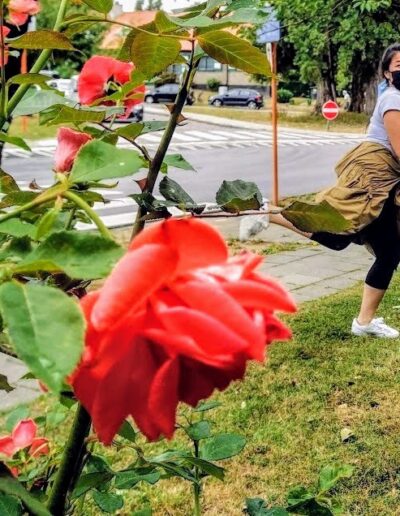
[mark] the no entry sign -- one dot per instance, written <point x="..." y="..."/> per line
<point x="330" y="110"/>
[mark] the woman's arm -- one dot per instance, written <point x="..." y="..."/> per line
<point x="392" y="126"/>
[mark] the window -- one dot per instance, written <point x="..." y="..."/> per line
<point x="209" y="64"/>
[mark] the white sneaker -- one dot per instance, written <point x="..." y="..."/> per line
<point x="376" y="328"/>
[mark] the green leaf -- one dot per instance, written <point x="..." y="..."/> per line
<point x="36" y="101"/>
<point x="127" y="432"/>
<point x="130" y="131"/>
<point x="17" y="415"/>
<point x="108" y="502"/>
<point x="41" y="40"/>
<point x="10" y="506"/>
<point x="152" y="54"/>
<point x="7" y="183"/>
<point x="91" y="481"/>
<point x="299" y="495"/>
<point x="98" y="160"/>
<point x="207" y="405"/>
<point x="14" y="140"/>
<point x="46" y="328"/>
<point x="147" y="511"/>
<point x="164" y="23"/>
<point x="101" y="6"/>
<point x="258" y="507"/>
<point x="10" y="486"/>
<point x="237" y="196"/>
<point x="79" y="255"/>
<point x="47" y="223"/>
<point x="331" y="475"/>
<point x="177" y="161"/>
<point x="124" y="53"/>
<point x="28" y="78"/>
<point x="234" y="51"/>
<point x="130" y="478"/>
<point x="199" y="430"/>
<point x="61" y="114"/>
<point x="172" y="191"/>
<point x="17" y="198"/>
<point x="16" y="249"/>
<point x="153" y="126"/>
<point x="206" y="467"/>
<point x="316" y="217"/>
<point x="17" y="228"/>
<point x="222" y="447"/>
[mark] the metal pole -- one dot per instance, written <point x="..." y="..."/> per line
<point x="274" y="95"/>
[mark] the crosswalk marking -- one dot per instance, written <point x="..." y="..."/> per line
<point x="215" y="138"/>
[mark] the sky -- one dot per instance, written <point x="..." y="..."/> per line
<point x="168" y="5"/>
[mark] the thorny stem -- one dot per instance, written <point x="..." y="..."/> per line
<point x="71" y="462"/>
<point x="157" y="161"/>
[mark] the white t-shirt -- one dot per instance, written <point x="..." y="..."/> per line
<point x="388" y="101"/>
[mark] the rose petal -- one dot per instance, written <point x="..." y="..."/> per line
<point x="137" y="275"/>
<point x="197" y="243"/>
<point x="24" y="433"/>
<point x="7" y="446"/>
<point x="40" y="446"/>
<point x="69" y="143"/>
<point x="163" y="397"/>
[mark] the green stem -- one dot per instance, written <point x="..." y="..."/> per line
<point x="197" y="485"/>
<point x="162" y="150"/>
<point x="47" y="196"/>
<point x="90" y="212"/>
<point x="36" y="68"/>
<point x="70" y="463"/>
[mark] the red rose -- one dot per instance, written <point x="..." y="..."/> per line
<point x="176" y="320"/>
<point x="20" y="10"/>
<point x="69" y="143"/>
<point x="99" y="73"/>
<point x="24" y="436"/>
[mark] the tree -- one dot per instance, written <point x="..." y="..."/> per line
<point x="154" y="5"/>
<point x="139" y="5"/>
<point x="85" y="41"/>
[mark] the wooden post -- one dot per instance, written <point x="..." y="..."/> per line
<point x="24" y="69"/>
<point x="274" y="98"/>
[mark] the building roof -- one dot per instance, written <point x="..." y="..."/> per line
<point x="114" y="37"/>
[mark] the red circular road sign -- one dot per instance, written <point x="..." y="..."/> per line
<point x="330" y="110"/>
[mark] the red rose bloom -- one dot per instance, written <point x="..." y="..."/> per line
<point x="69" y="143"/>
<point x="20" y="10"/>
<point x="175" y="320"/>
<point x="96" y="76"/>
<point x="24" y="436"/>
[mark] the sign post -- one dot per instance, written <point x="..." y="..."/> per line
<point x="330" y="111"/>
<point x="270" y="34"/>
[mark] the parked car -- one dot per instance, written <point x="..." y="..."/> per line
<point x="165" y="93"/>
<point x="238" y="97"/>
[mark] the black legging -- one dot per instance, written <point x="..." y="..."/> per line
<point x="383" y="237"/>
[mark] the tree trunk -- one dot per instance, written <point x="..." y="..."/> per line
<point x="371" y="95"/>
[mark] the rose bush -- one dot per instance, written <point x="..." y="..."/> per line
<point x="175" y="317"/>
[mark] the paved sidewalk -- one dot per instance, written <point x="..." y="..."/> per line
<point x="309" y="273"/>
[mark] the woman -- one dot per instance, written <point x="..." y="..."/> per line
<point x="367" y="193"/>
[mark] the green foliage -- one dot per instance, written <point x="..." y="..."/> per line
<point x="284" y="96"/>
<point x="85" y="41"/>
<point x="213" y="84"/>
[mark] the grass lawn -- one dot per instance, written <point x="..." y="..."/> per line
<point x="292" y="411"/>
<point x="31" y="130"/>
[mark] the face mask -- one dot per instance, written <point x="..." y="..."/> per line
<point x="396" y="79"/>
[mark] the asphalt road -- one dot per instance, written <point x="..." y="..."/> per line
<point x="306" y="163"/>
